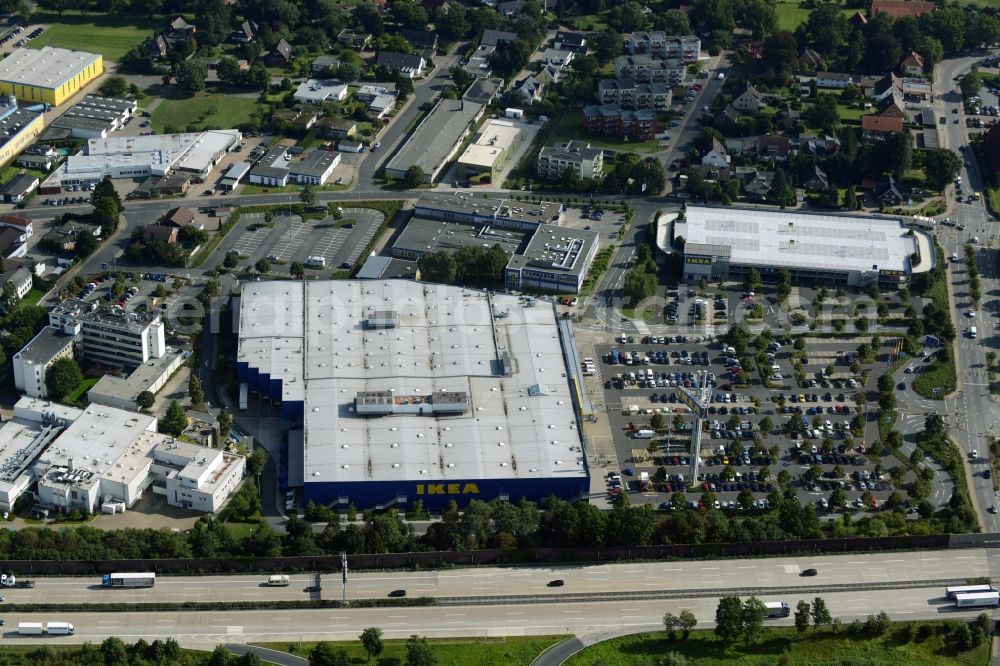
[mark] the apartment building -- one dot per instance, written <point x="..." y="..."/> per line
<point x="662" y="45"/>
<point x="613" y="120"/>
<point x="631" y="95"/>
<point x="587" y="162"/>
<point x="648" y="69"/>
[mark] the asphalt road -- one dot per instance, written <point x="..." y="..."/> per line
<point x="209" y="628"/>
<point x="506" y="581"/>
<point x="971" y="412"/>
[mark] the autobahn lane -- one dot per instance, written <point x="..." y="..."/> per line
<point x="209" y="628"/>
<point x="855" y="568"/>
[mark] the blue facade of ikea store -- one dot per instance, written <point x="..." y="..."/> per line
<point x="437" y="494"/>
<point x="266" y="386"/>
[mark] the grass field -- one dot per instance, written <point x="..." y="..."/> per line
<point x="809" y="649"/>
<point x="791" y="14"/>
<point x="941" y="375"/>
<point x="203" y="110"/>
<point x="570" y="127"/>
<point x="80" y="390"/>
<point x="514" y="651"/>
<point x="110" y="35"/>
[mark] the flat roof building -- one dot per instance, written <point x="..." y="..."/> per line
<point x="436" y="139"/>
<point x="421" y="236"/>
<point x="504" y="213"/>
<point x="111" y="335"/>
<point x="96" y="117"/>
<point x="49" y="75"/>
<point x="586" y="162"/>
<point x="491" y="150"/>
<point x="123" y="392"/>
<point x="278" y="167"/>
<point x="18" y="128"/>
<point x="853" y="250"/>
<point x="557" y="259"/>
<point x="467" y="390"/>
<point x="106" y="458"/>
<point x="33" y="361"/>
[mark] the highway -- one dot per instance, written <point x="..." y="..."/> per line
<point x="854" y="568"/>
<point x="209" y="628"/>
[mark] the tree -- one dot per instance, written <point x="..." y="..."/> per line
<point x="820" y="613"/>
<point x="190" y="76"/>
<point x="823" y="114"/>
<point x="802" y="616"/>
<point x="194" y="390"/>
<point x="970" y="83"/>
<point x="144" y="400"/>
<point x="438" y="267"/>
<point x="348" y="72"/>
<point x="114" y="86"/>
<point x="263" y="265"/>
<point x="670" y="623"/>
<point x="324" y="654"/>
<point x="765" y="426"/>
<point x="940" y="166"/>
<point x="827" y="28"/>
<point x="414" y="177"/>
<point x="639" y="285"/>
<point x="297" y="269"/>
<point x="729" y="618"/>
<point x="225" y="424"/>
<point x="62" y="378"/>
<point x="371" y="639"/>
<point x="754" y="612"/>
<point x="656" y="421"/>
<point x="687" y="622"/>
<point x="419" y="653"/>
<point x="175" y="420"/>
<point x="308" y="195"/>
<point x="896" y="155"/>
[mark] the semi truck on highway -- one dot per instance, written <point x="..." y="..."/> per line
<point x="8" y="580"/>
<point x="278" y="580"/>
<point x="129" y="580"/>
<point x="777" y="609"/>
<point x="977" y="600"/>
<point x="50" y="629"/>
<point x="952" y="592"/>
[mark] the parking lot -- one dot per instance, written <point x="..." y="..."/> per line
<point x="605" y="221"/>
<point x="339" y="241"/>
<point x="814" y="439"/>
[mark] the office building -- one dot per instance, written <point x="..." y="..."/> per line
<point x="111" y="335"/>
<point x="491" y="150"/>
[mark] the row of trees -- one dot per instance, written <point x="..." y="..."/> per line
<point x="468" y="266"/>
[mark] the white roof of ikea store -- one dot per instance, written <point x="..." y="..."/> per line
<point x="48" y="67"/>
<point x="447" y="340"/>
<point x="769" y="237"/>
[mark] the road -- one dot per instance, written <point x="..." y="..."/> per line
<point x="863" y="568"/>
<point x="972" y="413"/>
<point x="209" y="628"/>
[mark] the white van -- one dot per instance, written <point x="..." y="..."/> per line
<point x="972" y="331"/>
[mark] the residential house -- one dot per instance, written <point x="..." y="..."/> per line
<point x="813" y="179"/>
<point x="891" y="107"/>
<point x="179" y="28"/>
<point x="22" y="224"/>
<point x="773" y="147"/>
<point x="787" y="120"/>
<point x="180" y="217"/>
<point x="245" y="33"/>
<point x="632" y="95"/>
<point x="510" y="8"/>
<point x="530" y="90"/>
<point x="495" y="38"/>
<point x="38" y="156"/>
<point x="18" y="188"/>
<point x="317" y="91"/>
<point x="586" y="162"/>
<point x="380" y="100"/>
<point x="324" y="65"/>
<point x="715" y="155"/>
<point x="857" y="21"/>
<point x="912" y="65"/>
<point x="838" y="80"/>
<point x="876" y="128"/>
<point x="612" y="120"/>
<point x="898" y="9"/>
<point x="917" y="89"/>
<point x="888" y="192"/>
<point x="748" y="99"/>
<point x="571" y="41"/>
<point x="479" y="62"/>
<point x="810" y="60"/>
<point x="281" y="56"/>
<point x="660" y="45"/>
<point x="647" y="69"/>
<point x="20" y="279"/>
<point x="157" y="46"/>
<point x="408" y="66"/>
<point x="12" y="243"/>
<point x="730" y="114"/>
<point x="160" y="232"/>
<point x="713" y="173"/>
<point x="358" y="41"/>
<point x="337" y="128"/>
<point x="556" y="57"/>
<point x="300" y="119"/>
<point x="754" y="183"/>
<point x="890" y="84"/>
<point x="421" y="40"/>
<point x="818" y="146"/>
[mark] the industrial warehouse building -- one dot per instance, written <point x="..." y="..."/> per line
<point x="490" y="151"/>
<point x="409" y="391"/>
<point x="104" y="458"/>
<point x="18" y="128"/>
<point x="724" y="242"/>
<point x="48" y="75"/>
<point x="437" y="138"/>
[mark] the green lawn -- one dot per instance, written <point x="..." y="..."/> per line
<point x="809" y="649"/>
<point x="571" y="127"/>
<point x="791" y="13"/>
<point x="940" y="375"/>
<point x="112" y="36"/>
<point x="203" y="110"/>
<point x="85" y="385"/>
<point x="513" y="651"/>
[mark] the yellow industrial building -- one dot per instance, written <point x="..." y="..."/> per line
<point x="48" y="75"/>
<point x="18" y="128"/>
